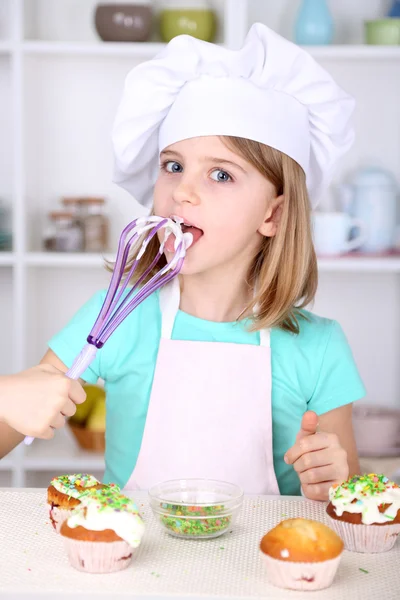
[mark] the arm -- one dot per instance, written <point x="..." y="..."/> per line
<point x="325" y="451"/>
<point x="36" y="401"/>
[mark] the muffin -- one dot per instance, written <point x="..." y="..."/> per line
<point x="102" y="533"/>
<point x="301" y="554"/>
<point x="63" y="495"/>
<point x="365" y="512"/>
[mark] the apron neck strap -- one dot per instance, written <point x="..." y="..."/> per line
<point x="170" y="296"/>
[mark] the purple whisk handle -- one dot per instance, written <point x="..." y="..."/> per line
<point x="79" y="366"/>
<point x="82" y="361"/>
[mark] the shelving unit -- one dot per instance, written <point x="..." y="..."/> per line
<point x="345" y="264"/>
<point x="59" y="90"/>
<point x="133" y="50"/>
<point x="148" y="50"/>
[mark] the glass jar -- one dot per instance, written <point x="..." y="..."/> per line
<point x="67" y="236"/>
<point x="95" y="225"/>
<point x="73" y="205"/>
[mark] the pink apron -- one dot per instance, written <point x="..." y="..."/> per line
<point x="209" y="413"/>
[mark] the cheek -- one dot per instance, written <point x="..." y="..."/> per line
<point x="160" y="196"/>
<point x="236" y="219"/>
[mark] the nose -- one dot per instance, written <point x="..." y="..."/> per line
<point x="185" y="192"/>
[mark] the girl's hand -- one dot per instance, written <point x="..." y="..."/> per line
<point x="318" y="458"/>
<point x="36" y="401"/>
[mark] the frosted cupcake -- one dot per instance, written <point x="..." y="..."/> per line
<point x="301" y="554"/>
<point x="64" y="492"/>
<point x="102" y="533"/>
<point x="365" y="512"/>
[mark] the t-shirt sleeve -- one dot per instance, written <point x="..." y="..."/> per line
<point x="338" y="382"/>
<point x="68" y="342"/>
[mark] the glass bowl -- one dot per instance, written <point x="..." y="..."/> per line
<point x="196" y="508"/>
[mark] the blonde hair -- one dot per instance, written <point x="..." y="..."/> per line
<point x="284" y="271"/>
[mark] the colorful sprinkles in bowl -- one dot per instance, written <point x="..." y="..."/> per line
<point x="195" y="521"/>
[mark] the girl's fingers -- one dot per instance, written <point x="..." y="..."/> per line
<point x="69" y="409"/>
<point x="317" y="491"/>
<point x="318" y="475"/>
<point x="76" y="392"/>
<point x="58" y="421"/>
<point x="319" y="458"/>
<point x="311" y="443"/>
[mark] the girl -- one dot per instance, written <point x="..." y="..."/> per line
<point x="222" y="373"/>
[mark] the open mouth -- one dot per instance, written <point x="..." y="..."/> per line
<point x="186" y="227"/>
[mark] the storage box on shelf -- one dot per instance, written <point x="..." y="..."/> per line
<point x="62" y="87"/>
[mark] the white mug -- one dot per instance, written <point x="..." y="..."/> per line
<point x="331" y="232"/>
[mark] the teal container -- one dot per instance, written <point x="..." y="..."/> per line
<point x="314" y="24"/>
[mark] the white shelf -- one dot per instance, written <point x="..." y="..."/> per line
<point x="60" y="259"/>
<point x="149" y="49"/>
<point x="341" y="264"/>
<point x="118" y="49"/>
<point x="61" y="453"/>
<point x="7" y="259"/>
<point x="360" y="264"/>
<point x="354" y="52"/>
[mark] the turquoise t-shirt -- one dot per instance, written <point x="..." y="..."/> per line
<point x="313" y="370"/>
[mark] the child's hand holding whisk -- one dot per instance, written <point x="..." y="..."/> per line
<point x="36" y="401"/>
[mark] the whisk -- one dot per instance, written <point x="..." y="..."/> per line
<point x="117" y="306"/>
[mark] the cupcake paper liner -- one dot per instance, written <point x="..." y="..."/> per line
<point x="299" y="575"/>
<point x="58" y="516"/>
<point x="366" y="538"/>
<point x="98" y="557"/>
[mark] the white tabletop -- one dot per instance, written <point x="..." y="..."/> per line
<point x="33" y="563"/>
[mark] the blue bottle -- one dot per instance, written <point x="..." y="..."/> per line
<point x="395" y="10"/>
<point x="314" y="24"/>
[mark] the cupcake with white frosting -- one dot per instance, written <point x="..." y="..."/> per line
<point x="63" y="495"/>
<point x="365" y="512"/>
<point x="102" y="533"/>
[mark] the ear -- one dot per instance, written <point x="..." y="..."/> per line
<point x="272" y="217"/>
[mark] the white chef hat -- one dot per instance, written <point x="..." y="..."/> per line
<point x="270" y="91"/>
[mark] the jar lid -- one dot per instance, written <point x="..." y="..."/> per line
<point x="185" y="4"/>
<point x="60" y="214"/>
<point x="125" y="3"/>
<point x="71" y="200"/>
<point x="92" y="200"/>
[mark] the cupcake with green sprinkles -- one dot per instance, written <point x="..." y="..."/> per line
<point x="365" y="512"/>
<point x="64" y="492"/>
<point x="102" y="534"/>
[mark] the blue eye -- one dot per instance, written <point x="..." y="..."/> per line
<point x="220" y="176"/>
<point x="172" y="167"/>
